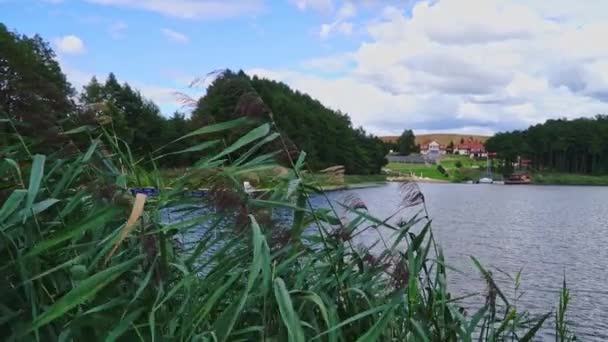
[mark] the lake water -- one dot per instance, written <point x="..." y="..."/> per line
<point x="546" y="230"/>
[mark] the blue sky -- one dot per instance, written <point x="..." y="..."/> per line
<point x="130" y="41"/>
<point x="477" y="66"/>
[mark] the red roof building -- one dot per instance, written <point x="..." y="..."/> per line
<point x="471" y="147"/>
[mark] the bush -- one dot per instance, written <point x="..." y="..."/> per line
<point x="458" y="164"/>
<point x="442" y="170"/>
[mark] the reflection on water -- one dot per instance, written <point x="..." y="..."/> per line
<point x="546" y="231"/>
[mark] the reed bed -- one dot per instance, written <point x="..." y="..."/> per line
<point x="82" y="259"/>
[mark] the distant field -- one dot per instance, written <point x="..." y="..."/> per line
<point x="442" y="138"/>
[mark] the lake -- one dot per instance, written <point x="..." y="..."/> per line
<point x="545" y="230"/>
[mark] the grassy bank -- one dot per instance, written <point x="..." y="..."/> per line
<point x="329" y="182"/>
<point x="83" y="259"/>
<point x="419" y="170"/>
<point x="457" y="169"/>
<point x="569" y="179"/>
<point x="269" y="178"/>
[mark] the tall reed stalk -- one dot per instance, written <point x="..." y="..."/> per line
<point x="82" y="259"/>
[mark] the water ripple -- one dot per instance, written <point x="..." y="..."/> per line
<point x="548" y="231"/>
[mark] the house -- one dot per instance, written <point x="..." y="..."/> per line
<point x="472" y="148"/>
<point x="462" y="149"/>
<point x="478" y="150"/>
<point x="432" y="148"/>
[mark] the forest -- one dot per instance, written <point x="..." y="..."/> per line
<point x="36" y="95"/>
<point x="327" y="136"/>
<point x="562" y="145"/>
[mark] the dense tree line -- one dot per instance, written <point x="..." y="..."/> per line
<point x="36" y="95"/>
<point x="41" y="104"/>
<point x="34" y="92"/>
<point x="135" y="119"/>
<point x="573" y="146"/>
<point x="327" y="136"/>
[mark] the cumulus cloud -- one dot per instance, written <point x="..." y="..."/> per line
<point x="190" y="9"/>
<point x="69" y="45"/>
<point x="175" y="36"/>
<point x="331" y="64"/>
<point x="461" y="65"/>
<point x="341" y="25"/>
<point x="343" y="28"/>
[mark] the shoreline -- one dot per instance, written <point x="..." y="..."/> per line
<point x="417" y="180"/>
<point x="352" y="186"/>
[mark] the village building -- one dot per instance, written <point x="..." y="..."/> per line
<point x="471" y="148"/>
<point x="432" y="148"/>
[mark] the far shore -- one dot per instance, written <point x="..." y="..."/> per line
<point x="416" y="179"/>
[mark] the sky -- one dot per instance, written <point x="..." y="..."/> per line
<point x="463" y="66"/>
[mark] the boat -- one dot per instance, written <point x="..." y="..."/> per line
<point x="518" y="178"/>
<point x="486" y="180"/>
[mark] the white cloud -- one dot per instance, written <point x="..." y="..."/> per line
<point x="317" y="5"/>
<point x="379" y="111"/>
<point x="568" y="10"/>
<point x="474" y="21"/>
<point x="190" y="9"/>
<point x="336" y="63"/>
<point x="344" y="28"/>
<point x="162" y="96"/>
<point x="346" y="11"/>
<point x="459" y="65"/>
<point x="78" y="78"/>
<point x="175" y="36"/>
<point x="167" y="98"/>
<point x="341" y="25"/>
<point x="70" y="45"/>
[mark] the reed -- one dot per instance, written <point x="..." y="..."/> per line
<point x="84" y="260"/>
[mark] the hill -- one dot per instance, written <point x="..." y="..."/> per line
<point x="442" y="138"/>
<point x="327" y="136"/>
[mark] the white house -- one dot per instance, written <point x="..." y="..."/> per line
<point x="432" y="148"/>
<point x="463" y="150"/>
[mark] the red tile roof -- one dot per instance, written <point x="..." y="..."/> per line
<point x="473" y="146"/>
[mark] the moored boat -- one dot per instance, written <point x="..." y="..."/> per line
<point x="486" y="180"/>
<point x="518" y="178"/>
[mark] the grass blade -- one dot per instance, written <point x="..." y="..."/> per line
<point x="289" y="316"/>
<point x="36" y="173"/>
<point x="93" y="221"/>
<point x="222" y="126"/>
<point x="250" y="137"/>
<point x="124" y="324"/>
<point x="11" y="204"/>
<point x="532" y="332"/>
<point x="85" y="290"/>
<point x="378" y="328"/>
